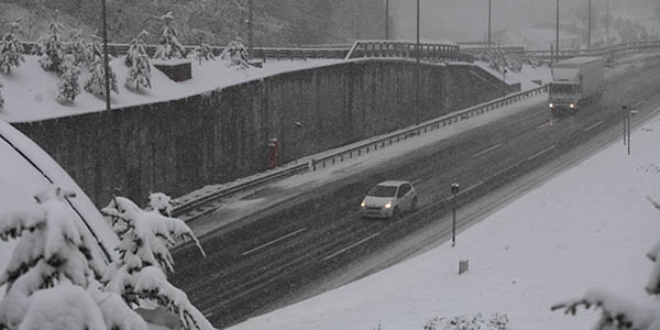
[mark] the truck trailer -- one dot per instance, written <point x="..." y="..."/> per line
<point x="576" y="82"/>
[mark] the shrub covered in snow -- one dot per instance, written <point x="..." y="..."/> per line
<point x="235" y="54"/>
<point x="96" y="82"/>
<point x="2" y="101"/>
<point x="477" y="322"/>
<point x="203" y="52"/>
<point x="146" y="237"/>
<point x="162" y="203"/>
<point x="78" y="47"/>
<point x="51" y="48"/>
<point x="50" y="278"/>
<point x="68" y="87"/>
<point x="618" y="313"/>
<point x="138" y="61"/>
<point x="169" y="46"/>
<point x="11" y="49"/>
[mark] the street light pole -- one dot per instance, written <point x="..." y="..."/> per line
<point x="251" y="29"/>
<point x="489" y="23"/>
<point x="387" y="19"/>
<point x="105" y="56"/>
<point x="417" y="50"/>
<point x="557" y="34"/>
<point x="607" y="27"/>
<point x="589" y="27"/>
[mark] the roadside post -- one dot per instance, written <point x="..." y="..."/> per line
<point x="628" y="112"/>
<point x="624" y="110"/>
<point x="454" y="190"/>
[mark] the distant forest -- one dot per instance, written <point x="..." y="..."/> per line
<point x="217" y="22"/>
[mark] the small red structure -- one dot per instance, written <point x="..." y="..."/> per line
<point x="272" y="153"/>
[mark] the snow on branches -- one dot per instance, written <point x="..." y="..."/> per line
<point x="11" y="49"/>
<point x="68" y="87"/>
<point x="236" y="54"/>
<point x="618" y="313"/>
<point x="477" y="322"/>
<point x="138" y="61"/>
<point x="96" y="82"/>
<point x="51" y="48"/>
<point x="50" y="269"/>
<point x="169" y="46"/>
<point x="2" y="101"/>
<point x="203" y="52"/>
<point x="146" y="237"/>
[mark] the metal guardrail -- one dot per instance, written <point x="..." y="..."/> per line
<point x="341" y="156"/>
<point x="429" y="52"/>
<point x="620" y="49"/>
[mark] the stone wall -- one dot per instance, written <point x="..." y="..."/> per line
<point x="182" y="145"/>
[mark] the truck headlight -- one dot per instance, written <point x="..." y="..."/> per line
<point x="572" y="106"/>
<point x="388" y="205"/>
<point x="552" y="105"/>
<point x="363" y="204"/>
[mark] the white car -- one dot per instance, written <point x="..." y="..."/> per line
<point x="388" y="199"/>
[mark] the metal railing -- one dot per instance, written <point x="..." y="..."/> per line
<point x="428" y="52"/>
<point x="357" y="151"/>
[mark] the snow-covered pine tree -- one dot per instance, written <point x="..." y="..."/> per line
<point x="78" y="46"/>
<point x="235" y="54"/>
<point x="96" y="82"/>
<point x="618" y="313"/>
<point x="169" y="46"/>
<point x="138" y="61"/>
<point x="68" y="87"/>
<point x="50" y="276"/>
<point x="11" y="49"/>
<point x="146" y="237"/>
<point x="203" y="52"/>
<point x="51" y="48"/>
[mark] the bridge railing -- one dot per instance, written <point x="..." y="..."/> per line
<point x="428" y="52"/>
<point x="615" y="50"/>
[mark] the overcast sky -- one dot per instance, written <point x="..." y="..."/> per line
<point x="467" y="20"/>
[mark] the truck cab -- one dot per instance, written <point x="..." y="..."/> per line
<point x="565" y="95"/>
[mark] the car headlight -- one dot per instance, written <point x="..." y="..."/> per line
<point x="572" y="106"/>
<point x="552" y="105"/>
<point x="363" y="205"/>
<point x="388" y="205"/>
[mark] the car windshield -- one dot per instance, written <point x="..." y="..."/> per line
<point x="562" y="89"/>
<point x="382" y="191"/>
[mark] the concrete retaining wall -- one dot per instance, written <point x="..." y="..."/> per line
<point x="182" y="145"/>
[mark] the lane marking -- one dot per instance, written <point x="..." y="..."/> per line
<point x="487" y="150"/>
<point x="416" y="181"/>
<point x="350" y="247"/>
<point x="208" y="314"/>
<point x="275" y="241"/>
<point x="549" y="123"/>
<point x="637" y="104"/>
<point x="540" y="153"/>
<point x="594" y="126"/>
<point x="628" y="89"/>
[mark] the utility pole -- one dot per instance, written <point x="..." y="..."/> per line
<point x="589" y="27"/>
<point x="251" y="29"/>
<point x="557" y="34"/>
<point x="417" y="50"/>
<point x="489" y="22"/>
<point x="607" y="27"/>
<point x="387" y="19"/>
<point x="105" y="56"/>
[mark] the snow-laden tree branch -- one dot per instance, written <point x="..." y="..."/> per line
<point x="145" y="239"/>
<point x="618" y="313"/>
<point x="50" y="275"/>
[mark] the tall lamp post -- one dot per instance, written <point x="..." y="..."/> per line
<point x="105" y="56"/>
<point x="250" y="28"/>
<point x="387" y="19"/>
<point x="417" y="50"/>
<point x="589" y="27"/>
<point x="489" y="23"/>
<point x="557" y="34"/>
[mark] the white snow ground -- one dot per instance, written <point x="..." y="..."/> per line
<point x="588" y="228"/>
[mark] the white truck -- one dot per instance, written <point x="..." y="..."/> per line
<point x="575" y="82"/>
